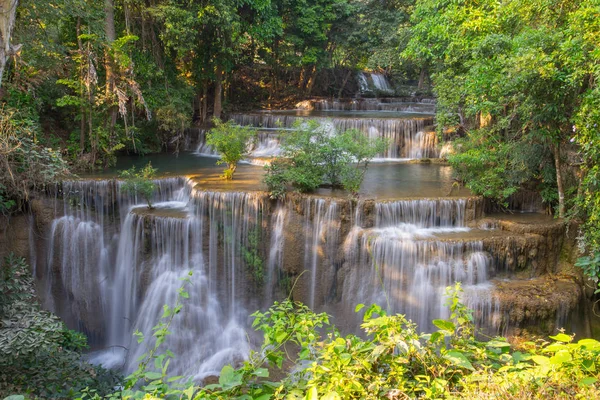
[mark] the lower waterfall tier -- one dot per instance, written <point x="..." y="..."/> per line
<point x="107" y="264"/>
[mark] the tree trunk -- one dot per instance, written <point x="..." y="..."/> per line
<point x="301" y="79"/>
<point x="311" y="81"/>
<point x="8" y="10"/>
<point x="559" y="180"/>
<point x="344" y="83"/>
<point x="82" y="93"/>
<point x="109" y="30"/>
<point x="422" y="76"/>
<point x="204" y="105"/>
<point x="218" y="92"/>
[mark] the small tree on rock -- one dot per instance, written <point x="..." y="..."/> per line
<point x="140" y="182"/>
<point x="232" y="142"/>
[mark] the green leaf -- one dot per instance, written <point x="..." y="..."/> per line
<point x="261" y="373"/>
<point x="561" y="356"/>
<point x="457" y="358"/>
<point x="445" y="325"/>
<point x="590" y="380"/>
<point x="151" y="375"/>
<point x="541" y="360"/>
<point x="561" y="337"/>
<point x="498" y="344"/>
<point x="229" y="377"/>
<point x="358" y="307"/>
<point x="312" y="394"/>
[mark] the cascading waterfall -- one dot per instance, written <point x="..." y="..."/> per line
<point x="400" y="263"/>
<point x="276" y="247"/>
<point x="112" y="264"/>
<point x="321" y="243"/>
<point x="405" y="135"/>
<point x="236" y="221"/>
<point x="363" y="84"/>
<point x="381" y="83"/>
<point x="418" y="107"/>
<point x="118" y="275"/>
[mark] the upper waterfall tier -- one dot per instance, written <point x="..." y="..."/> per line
<point x="405" y="133"/>
<point x="402" y="104"/>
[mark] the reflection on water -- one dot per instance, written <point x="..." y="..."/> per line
<point x="385" y="180"/>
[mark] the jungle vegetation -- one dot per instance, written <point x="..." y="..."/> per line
<point x="517" y="91"/>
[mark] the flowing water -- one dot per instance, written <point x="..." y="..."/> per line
<point x="405" y="125"/>
<point x="108" y="265"/>
<point x="401" y="264"/>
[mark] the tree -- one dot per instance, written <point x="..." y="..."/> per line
<point x="140" y="182"/>
<point x="501" y="76"/>
<point x="8" y="11"/>
<point x="313" y="156"/>
<point x="232" y="142"/>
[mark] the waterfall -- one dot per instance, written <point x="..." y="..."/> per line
<point x="234" y="221"/>
<point x="275" y="262"/>
<point x="381" y="83"/>
<point x="417" y="107"/>
<point x="404" y="135"/>
<point x="362" y="82"/>
<point x="321" y="229"/>
<point x="401" y="264"/>
<point x="119" y="264"/>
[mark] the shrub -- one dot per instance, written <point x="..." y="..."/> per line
<point x="140" y="182"/>
<point x="232" y="142"/>
<point x="312" y="156"/>
<point x="38" y="354"/>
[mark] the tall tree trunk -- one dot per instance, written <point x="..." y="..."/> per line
<point x="301" y="79"/>
<point x="311" y="81"/>
<point x="8" y="11"/>
<point x="344" y="83"/>
<point x="82" y="93"/>
<point x="109" y="30"/>
<point x="204" y="105"/>
<point x="218" y="92"/>
<point x="422" y="77"/>
<point x="559" y="180"/>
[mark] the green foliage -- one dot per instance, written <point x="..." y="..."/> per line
<point x="313" y="156"/>
<point x="26" y="164"/>
<point x="38" y="354"/>
<point x="496" y="168"/>
<point x="512" y="76"/>
<point x="140" y="183"/>
<point x="232" y="142"/>
<point x="390" y="360"/>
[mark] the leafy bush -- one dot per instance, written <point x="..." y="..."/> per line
<point x="232" y="143"/>
<point x="391" y="361"/>
<point x="140" y="182"/>
<point x="38" y="354"/>
<point x="496" y="168"/>
<point x="312" y="156"/>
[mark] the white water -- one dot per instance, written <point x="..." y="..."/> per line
<point x="405" y="136"/>
<point x="276" y="248"/>
<point x="119" y="274"/>
<point x="381" y="83"/>
<point x="362" y="82"/>
<point x="321" y="230"/>
<point x="399" y="262"/>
